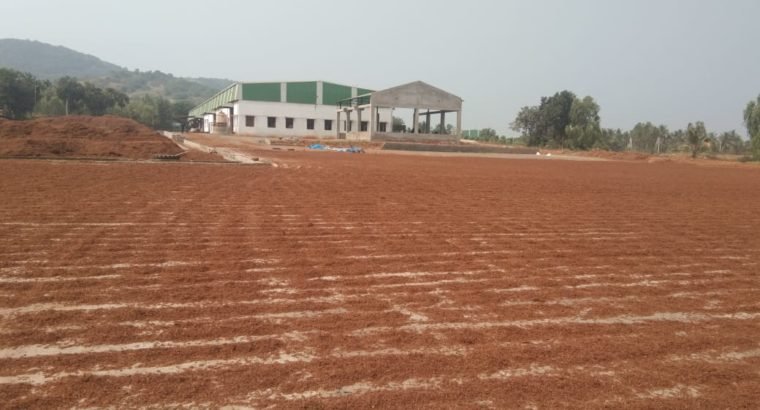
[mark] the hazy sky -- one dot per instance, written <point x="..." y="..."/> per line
<point x="664" y="61"/>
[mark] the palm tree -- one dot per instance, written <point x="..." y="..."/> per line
<point x="696" y="134"/>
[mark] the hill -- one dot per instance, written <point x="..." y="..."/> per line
<point x="49" y="62"/>
<point x="135" y="83"/>
<point x="215" y="83"/>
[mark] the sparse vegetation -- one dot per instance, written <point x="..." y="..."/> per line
<point x="562" y="121"/>
<point x="565" y="121"/>
<point x="155" y="83"/>
<point x="17" y="93"/>
<point x="696" y="136"/>
<point x="23" y="96"/>
<point x="752" y="120"/>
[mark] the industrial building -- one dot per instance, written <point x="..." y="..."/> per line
<point x="327" y="110"/>
<point x="276" y="109"/>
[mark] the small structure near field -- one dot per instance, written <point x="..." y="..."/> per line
<point x="358" y="117"/>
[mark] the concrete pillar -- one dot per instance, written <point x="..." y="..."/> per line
<point x="358" y="119"/>
<point x="233" y="119"/>
<point x="372" y="121"/>
<point x="336" y="127"/>
<point x="348" y="121"/>
<point x="443" y="122"/>
<point x="416" y="121"/>
<point x="459" y="123"/>
<point x="427" y="122"/>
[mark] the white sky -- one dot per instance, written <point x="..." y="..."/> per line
<point x="665" y="61"/>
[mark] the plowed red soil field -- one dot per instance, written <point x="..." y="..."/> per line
<point x="357" y="281"/>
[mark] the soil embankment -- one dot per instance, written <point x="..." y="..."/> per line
<point x="82" y="137"/>
<point x="463" y="148"/>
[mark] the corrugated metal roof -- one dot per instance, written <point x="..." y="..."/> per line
<point x="234" y="93"/>
<point x="221" y="98"/>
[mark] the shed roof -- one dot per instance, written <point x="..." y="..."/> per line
<point x="417" y="94"/>
<point x="299" y="92"/>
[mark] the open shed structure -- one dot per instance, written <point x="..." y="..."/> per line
<point x="358" y="116"/>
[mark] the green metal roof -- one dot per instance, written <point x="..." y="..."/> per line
<point x="271" y="92"/>
<point x="221" y="98"/>
<point x="301" y="92"/>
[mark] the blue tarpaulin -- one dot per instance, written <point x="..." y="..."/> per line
<point x="352" y="149"/>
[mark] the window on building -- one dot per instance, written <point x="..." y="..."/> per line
<point x="272" y="122"/>
<point x="383" y="126"/>
<point x="289" y="122"/>
<point x="364" y="126"/>
<point x="309" y="124"/>
<point x="249" y="120"/>
<point x="328" y="125"/>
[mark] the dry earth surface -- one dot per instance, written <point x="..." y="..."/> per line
<point x="352" y="281"/>
<point x="86" y="137"/>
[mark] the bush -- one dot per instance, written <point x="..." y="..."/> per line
<point x="745" y="158"/>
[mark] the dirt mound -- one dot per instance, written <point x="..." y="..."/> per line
<point x="80" y="136"/>
<point x="624" y="156"/>
<point x="628" y="156"/>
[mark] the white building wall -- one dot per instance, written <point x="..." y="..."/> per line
<point x="300" y="113"/>
<point x="208" y="122"/>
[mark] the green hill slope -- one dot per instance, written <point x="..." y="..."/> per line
<point x="46" y="61"/>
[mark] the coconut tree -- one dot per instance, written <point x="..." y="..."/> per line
<point x="752" y="120"/>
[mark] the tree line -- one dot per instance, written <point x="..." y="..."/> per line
<point x="564" y="120"/>
<point x="23" y="96"/>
